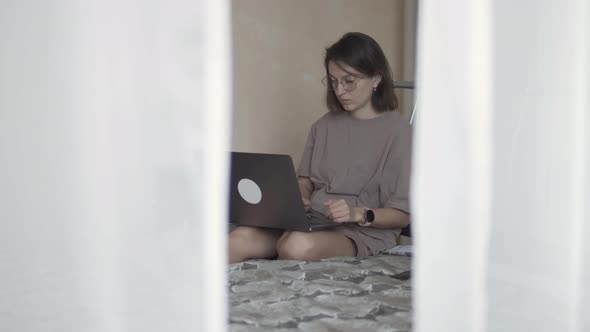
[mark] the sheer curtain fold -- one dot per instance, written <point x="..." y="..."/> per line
<point x="451" y="192"/>
<point x="114" y="121"/>
<point x="501" y="177"/>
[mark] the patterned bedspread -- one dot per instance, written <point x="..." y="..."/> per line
<point x="337" y="294"/>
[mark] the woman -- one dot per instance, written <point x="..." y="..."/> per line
<point x="355" y="165"/>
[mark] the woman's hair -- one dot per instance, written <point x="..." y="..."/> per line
<point x="362" y="53"/>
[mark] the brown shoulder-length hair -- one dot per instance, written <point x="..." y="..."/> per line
<point x="362" y="53"/>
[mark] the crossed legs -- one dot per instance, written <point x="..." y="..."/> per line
<point x="252" y="242"/>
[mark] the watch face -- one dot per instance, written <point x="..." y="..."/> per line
<point x="370" y="215"/>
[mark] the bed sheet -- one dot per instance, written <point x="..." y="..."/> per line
<point x="336" y="294"/>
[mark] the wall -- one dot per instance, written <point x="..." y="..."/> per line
<point x="278" y="63"/>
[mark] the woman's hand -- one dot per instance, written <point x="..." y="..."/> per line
<point x="339" y="211"/>
<point x="306" y="203"/>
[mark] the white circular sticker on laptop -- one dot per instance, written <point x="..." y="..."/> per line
<point x="249" y="191"/>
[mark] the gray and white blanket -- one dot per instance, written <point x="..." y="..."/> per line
<point x="337" y="294"/>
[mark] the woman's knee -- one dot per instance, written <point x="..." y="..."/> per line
<point x="253" y="241"/>
<point x="298" y="246"/>
<point x="243" y="233"/>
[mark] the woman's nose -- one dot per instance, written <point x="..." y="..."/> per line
<point x="339" y="91"/>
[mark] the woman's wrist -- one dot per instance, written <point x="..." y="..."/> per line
<point x="367" y="217"/>
<point x="359" y="215"/>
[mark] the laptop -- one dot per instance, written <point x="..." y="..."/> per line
<point x="264" y="193"/>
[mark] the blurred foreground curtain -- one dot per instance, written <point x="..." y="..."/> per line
<point x="114" y="119"/>
<point x="502" y="183"/>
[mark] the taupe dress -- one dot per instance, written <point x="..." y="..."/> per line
<point x="365" y="162"/>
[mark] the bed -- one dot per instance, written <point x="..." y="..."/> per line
<point x="336" y="294"/>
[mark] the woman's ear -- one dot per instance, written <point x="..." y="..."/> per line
<point x="376" y="80"/>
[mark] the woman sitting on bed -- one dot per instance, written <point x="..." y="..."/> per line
<point x="355" y="166"/>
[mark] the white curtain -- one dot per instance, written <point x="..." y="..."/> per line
<point x="501" y="186"/>
<point x="114" y="122"/>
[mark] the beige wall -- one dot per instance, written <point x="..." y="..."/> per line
<point x="278" y="50"/>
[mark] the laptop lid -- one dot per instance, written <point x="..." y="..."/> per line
<point x="264" y="192"/>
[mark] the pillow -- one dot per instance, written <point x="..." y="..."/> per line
<point x="400" y="250"/>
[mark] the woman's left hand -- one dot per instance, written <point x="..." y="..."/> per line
<point x="340" y="211"/>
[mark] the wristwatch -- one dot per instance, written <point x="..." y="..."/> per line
<point x="369" y="217"/>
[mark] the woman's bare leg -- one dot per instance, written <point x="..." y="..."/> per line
<point x="247" y="242"/>
<point x="315" y="245"/>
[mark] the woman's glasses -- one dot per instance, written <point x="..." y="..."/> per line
<point x="348" y="83"/>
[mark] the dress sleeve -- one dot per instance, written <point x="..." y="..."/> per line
<point x="305" y="164"/>
<point x="398" y="194"/>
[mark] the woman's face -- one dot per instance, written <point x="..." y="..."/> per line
<point x="352" y="88"/>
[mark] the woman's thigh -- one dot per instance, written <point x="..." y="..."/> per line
<point x="315" y="245"/>
<point x="252" y="242"/>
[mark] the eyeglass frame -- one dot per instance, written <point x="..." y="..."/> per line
<point x="331" y="82"/>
